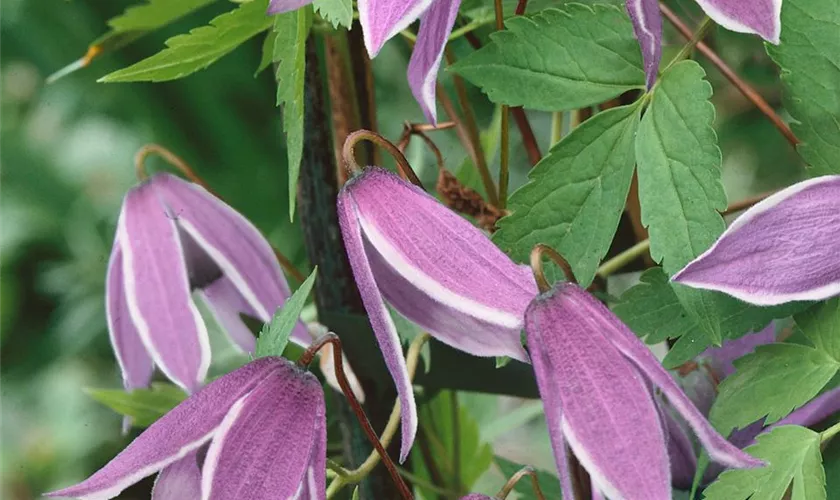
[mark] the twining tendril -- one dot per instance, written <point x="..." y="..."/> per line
<point x="348" y="154"/>
<point x="537" y="255"/>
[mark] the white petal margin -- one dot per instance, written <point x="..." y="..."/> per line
<point x="212" y="458"/>
<point x="583" y="456"/>
<point x="367" y="19"/>
<point x="733" y="24"/>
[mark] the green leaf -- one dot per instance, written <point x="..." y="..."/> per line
<point x="292" y="29"/>
<point x="792" y="454"/>
<point x="652" y="310"/>
<point x="809" y="56"/>
<point x="275" y="335"/>
<point x="267" y="52"/>
<point x="549" y="484"/>
<point x="821" y="324"/>
<point x="443" y="428"/>
<point x="680" y="186"/>
<point x="772" y="381"/>
<point x="152" y="15"/>
<point x="336" y="12"/>
<point x="144" y="406"/>
<point x="576" y="194"/>
<point x="201" y="47"/>
<point x="558" y="59"/>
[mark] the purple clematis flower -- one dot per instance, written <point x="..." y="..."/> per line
<point x="264" y="426"/>
<point x="174" y="237"/>
<point x="596" y="381"/>
<point x="434" y="268"/>
<point x="382" y="19"/>
<point x="761" y="17"/>
<point x="785" y="248"/>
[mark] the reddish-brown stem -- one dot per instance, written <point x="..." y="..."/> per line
<point x="746" y="203"/>
<point x="182" y="166"/>
<point x="529" y="140"/>
<point x="304" y="361"/>
<point x="520" y="7"/>
<point x="511" y="483"/>
<point x="349" y="154"/>
<point x="540" y="250"/>
<point x="750" y="93"/>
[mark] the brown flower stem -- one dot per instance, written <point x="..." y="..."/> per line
<point x="750" y="93"/>
<point x="520" y="7"/>
<point x="349" y="154"/>
<point x="746" y="203"/>
<point x="537" y="255"/>
<point x="511" y="483"/>
<point x="304" y="361"/>
<point x="183" y="167"/>
<point x="504" y="138"/>
<point x="529" y="140"/>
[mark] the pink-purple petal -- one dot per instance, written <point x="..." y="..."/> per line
<point x="180" y="480"/>
<point x="720" y="359"/>
<point x="609" y="417"/>
<point x="435" y="26"/>
<point x="135" y="364"/>
<point x="175" y="435"/>
<point x="281" y="6"/>
<point x="783" y="249"/>
<point x="314" y="485"/>
<point x="382" y="19"/>
<point x="263" y="447"/>
<point x="647" y="25"/>
<point x="379" y="317"/>
<point x="813" y="412"/>
<point x="762" y="17"/>
<point x="226" y="303"/>
<point x="157" y="289"/>
<point x="233" y="243"/>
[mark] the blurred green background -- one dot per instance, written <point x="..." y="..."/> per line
<point x="67" y="159"/>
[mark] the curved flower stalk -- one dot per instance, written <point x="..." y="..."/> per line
<point x="434" y="268"/>
<point x="173" y="237"/>
<point x="382" y="19"/>
<point x="785" y="248"/>
<point x="596" y="378"/>
<point x="760" y="17"/>
<point x="264" y="427"/>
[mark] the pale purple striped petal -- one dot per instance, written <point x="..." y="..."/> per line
<point x="762" y="17"/>
<point x="680" y="451"/>
<point x="382" y="19"/>
<point x="379" y="317"/>
<point x="647" y="24"/>
<point x="179" y="481"/>
<point x="157" y="289"/>
<point x="314" y="486"/>
<point x="603" y="320"/>
<point x="281" y="6"/>
<point x="720" y="358"/>
<point x="435" y="26"/>
<point x="264" y="446"/>
<point x="476" y="496"/>
<point x="609" y="417"/>
<point x="815" y="411"/>
<point x="175" y="435"/>
<point x="783" y="249"/>
<point x="226" y="303"/>
<point x="135" y="363"/>
<point x="437" y="269"/>
<point x="233" y="243"/>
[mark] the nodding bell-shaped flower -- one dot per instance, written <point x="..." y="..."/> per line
<point x="785" y="248"/>
<point x="436" y="269"/>
<point x="382" y="19"/>
<point x="264" y="429"/>
<point x="596" y="381"/>
<point x="173" y="237"/>
<point x="760" y="17"/>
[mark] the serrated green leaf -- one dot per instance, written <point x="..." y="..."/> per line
<point x="772" y="381"/>
<point x="336" y="12"/>
<point x="558" y="59"/>
<point x="792" y="454"/>
<point x="275" y="335"/>
<point x="144" y="406"/>
<point x="680" y="187"/>
<point x="549" y="483"/>
<point x="576" y="194"/>
<point x="821" y="324"/>
<point x="809" y="56"/>
<point x="292" y="29"/>
<point x="153" y="14"/>
<point x="267" y="52"/>
<point x="652" y="310"/>
<point x="201" y="47"/>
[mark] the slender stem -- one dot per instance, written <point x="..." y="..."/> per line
<point x="525" y="471"/>
<point x="529" y="140"/>
<point x="537" y="255"/>
<point x="520" y="7"/>
<point x="456" y="442"/>
<point x="619" y="261"/>
<point x="348" y="153"/>
<point x="304" y="361"/>
<point x="696" y="38"/>
<point x="183" y="167"/>
<point x="556" y="127"/>
<point x="419" y="481"/>
<point x="429" y="127"/>
<point x="745" y="88"/>
<point x="408" y="132"/>
<point x="504" y="138"/>
<point x="355" y="476"/>
<point x="830" y="432"/>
